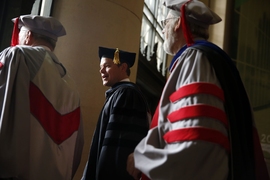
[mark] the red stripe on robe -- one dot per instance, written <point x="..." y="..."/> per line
<point x="200" y="110"/>
<point x="197" y="133"/>
<point x="59" y="127"/>
<point x="197" y="88"/>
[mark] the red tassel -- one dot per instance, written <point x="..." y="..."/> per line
<point x="15" y="33"/>
<point x="185" y="28"/>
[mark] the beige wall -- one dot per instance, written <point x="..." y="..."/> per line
<point x="90" y="24"/>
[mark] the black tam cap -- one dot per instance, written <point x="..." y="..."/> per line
<point x="118" y="56"/>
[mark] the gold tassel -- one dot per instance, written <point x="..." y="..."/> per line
<point x="116" y="59"/>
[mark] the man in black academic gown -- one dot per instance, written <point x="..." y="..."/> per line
<point x="123" y="120"/>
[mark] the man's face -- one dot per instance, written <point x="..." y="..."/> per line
<point x="170" y="36"/>
<point x="110" y="72"/>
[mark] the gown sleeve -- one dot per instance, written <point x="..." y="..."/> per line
<point x="190" y="140"/>
<point x="127" y="125"/>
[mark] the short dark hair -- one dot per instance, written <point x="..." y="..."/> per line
<point x="128" y="69"/>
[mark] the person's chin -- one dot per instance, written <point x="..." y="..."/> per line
<point x="104" y="83"/>
<point x="167" y="49"/>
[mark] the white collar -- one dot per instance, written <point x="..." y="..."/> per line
<point x="125" y="80"/>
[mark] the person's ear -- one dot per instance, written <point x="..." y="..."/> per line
<point x="177" y="25"/>
<point x="124" y="66"/>
<point x="29" y="35"/>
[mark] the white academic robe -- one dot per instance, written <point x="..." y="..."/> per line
<point x="41" y="132"/>
<point x="163" y="154"/>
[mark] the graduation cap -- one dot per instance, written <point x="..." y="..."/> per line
<point x="46" y="26"/>
<point x="118" y="56"/>
<point x="195" y="12"/>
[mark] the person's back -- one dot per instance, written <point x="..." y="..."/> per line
<point x="40" y="129"/>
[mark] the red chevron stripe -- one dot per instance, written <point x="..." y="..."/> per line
<point x="197" y="133"/>
<point x="59" y="127"/>
<point x="197" y="88"/>
<point x="200" y="110"/>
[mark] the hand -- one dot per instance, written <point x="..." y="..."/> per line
<point x="135" y="173"/>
